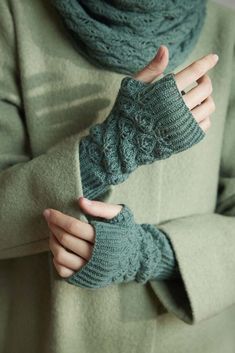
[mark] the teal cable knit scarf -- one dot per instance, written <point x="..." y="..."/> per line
<point x="124" y="35"/>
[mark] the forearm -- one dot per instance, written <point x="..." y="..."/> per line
<point x="148" y="122"/>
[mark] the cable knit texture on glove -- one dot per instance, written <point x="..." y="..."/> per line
<point x="148" y="122"/>
<point x="125" y="251"/>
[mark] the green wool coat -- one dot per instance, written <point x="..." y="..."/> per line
<point x="50" y="96"/>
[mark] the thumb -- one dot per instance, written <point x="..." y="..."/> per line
<point x="156" y="66"/>
<point x="98" y="208"/>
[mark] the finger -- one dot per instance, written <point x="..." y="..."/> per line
<point x="62" y="270"/>
<point x="98" y="208"/>
<point x="80" y="247"/>
<point x="63" y="257"/>
<point x="202" y="111"/>
<point x="199" y="93"/>
<point x="205" y="124"/>
<point x="155" y="67"/>
<point x="70" y="224"/>
<point x="194" y="71"/>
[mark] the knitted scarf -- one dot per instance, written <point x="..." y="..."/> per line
<point x="124" y="35"/>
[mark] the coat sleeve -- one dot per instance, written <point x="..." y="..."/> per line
<point x="29" y="185"/>
<point x="204" y="245"/>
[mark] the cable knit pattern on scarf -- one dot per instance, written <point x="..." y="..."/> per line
<point x="125" y="251"/>
<point x="124" y="35"/>
<point x="148" y="122"/>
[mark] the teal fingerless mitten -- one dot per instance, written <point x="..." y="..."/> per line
<point x="148" y="122"/>
<point x="125" y="251"/>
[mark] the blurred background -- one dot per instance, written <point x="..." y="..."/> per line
<point x="230" y="3"/>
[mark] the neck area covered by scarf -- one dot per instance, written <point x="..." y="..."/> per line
<point x="124" y="35"/>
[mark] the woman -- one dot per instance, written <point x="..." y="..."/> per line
<point x="50" y="96"/>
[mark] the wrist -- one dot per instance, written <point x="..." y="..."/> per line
<point x="158" y="260"/>
<point x="115" y="255"/>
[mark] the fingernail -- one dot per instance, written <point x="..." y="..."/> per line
<point x="46" y="213"/>
<point x="215" y="56"/>
<point x="88" y="202"/>
<point x="159" y="53"/>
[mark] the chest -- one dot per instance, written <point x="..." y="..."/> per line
<point x="64" y="94"/>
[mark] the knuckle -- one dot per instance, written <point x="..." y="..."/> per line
<point x="62" y="271"/>
<point x="60" y="256"/>
<point x="71" y="226"/>
<point x="207" y="83"/>
<point x="63" y="237"/>
<point x="55" y="263"/>
<point x="206" y="79"/>
<point x="81" y="262"/>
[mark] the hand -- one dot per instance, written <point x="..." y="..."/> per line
<point x="198" y="99"/>
<point x="116" y="250"/>
<point x="72" y="240"/>
<point x="149" y="121"/>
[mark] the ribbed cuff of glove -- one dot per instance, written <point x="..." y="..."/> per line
<point x="124" y="251"/>
<point x="148" y="122"/>
<point x="94" y="178"/>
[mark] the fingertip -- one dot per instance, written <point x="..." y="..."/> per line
<point x="46" y="213"/>
<point x="164" y="50"/>
<point x="161" y="60"/>
<point x="159" y="55"/>
<point x="80" y="198"/>
<point x="215" y="57"/>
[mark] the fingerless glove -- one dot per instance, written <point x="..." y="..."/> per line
<point x="148" y="122"/>
<point x="125" y="251"/>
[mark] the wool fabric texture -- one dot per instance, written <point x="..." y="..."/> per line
<point x="148" y="122"/>
<point x="124" y="35"/>
<point x="49" y="96"/>
<point x="125" y="251"/>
